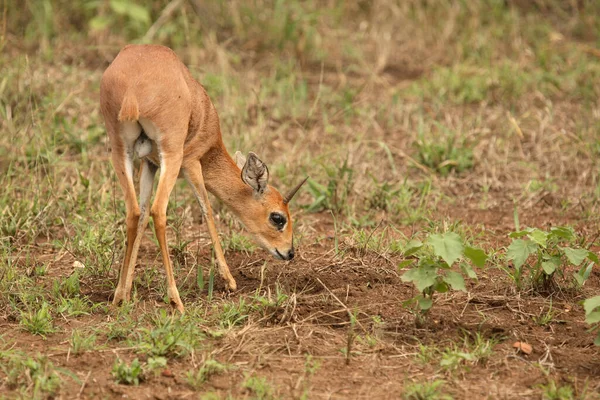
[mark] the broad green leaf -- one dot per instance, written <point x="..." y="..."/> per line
<point x="455" y="280"/>
<point x="583" y="274"/>
<point x="539" y="237"/>
<point x="549" y="267"/>
<point x="562" y="232"/>
<point x="447" y="246"/>
<point x="404" y="264"/>
<point x="476" y="255"/>
<point x="593" y="317"/>
<point x="597" y="340"/>
<point x="441" y="286"/>
<point x="593" y="257"/>
<point x="412" y="247"/>
<point x="422" y="276"/>
<point x="591" y="304"/>
<point x="575" y="256"/>
<point x="425" y="303"/>
<point x="520" y="234"/>
<point x="579" y="279"/>
<point x="466" y="268"/>
<point x="519" y="250"/>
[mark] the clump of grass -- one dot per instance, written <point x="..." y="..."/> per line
<point x="131" y="374"/>
<point x="260" y="388"/>
<point x="168" y="336"/>
<point x="335" y="193"/>
<point x="196" y="378"/>
<point x="82" y="341"/>
<point x="233" y="314"/>
<point x="425" y="391"/>
<point x="38" y="322"/>
<point x="444" y="150"/>
<point x="37" y="376"/>
<point x="556" y="391"/>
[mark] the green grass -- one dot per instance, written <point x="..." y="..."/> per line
<point x="425" y="391"/>
<point x="131" y="374"/>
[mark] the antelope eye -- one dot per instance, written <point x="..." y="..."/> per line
<point x="278" y="220"/>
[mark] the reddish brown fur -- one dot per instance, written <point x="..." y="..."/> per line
<point x="149" y="84"/>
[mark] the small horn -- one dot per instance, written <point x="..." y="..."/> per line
<point x="288" y="197"/>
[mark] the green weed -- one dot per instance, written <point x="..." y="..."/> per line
<point x="425" y="391"/>
<point x="35" y="376"/>
<point x="554" y="391"/>
<point x="169" y="336"/>
<point x="38" y="322"/>
<point x="259" y="387"/>
<point x="550" y="252"/>
<point x="434" y="259"/>
<point x="592" y="315"/>
<point x="472" y="353"/>
<point x="196" y="378"/>
<point x="443" y="150"/>
<point x="232" y="314"/>
<point x="82" y="341"/>
<point x="125" y="374"/>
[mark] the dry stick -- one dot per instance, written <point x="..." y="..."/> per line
<point x="350" y="316"/>
<point x="83" y="384"/>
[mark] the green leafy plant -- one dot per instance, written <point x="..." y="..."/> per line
<point x="444" y="150"/>
<point x="196" y="378"/>
<point x="592" y="315"/>
<point x="37" y="375"/>
<point x="169" y="337"/>
<point x="131" y="374"/>
<point x="38" y="322"/>
<point x="431" y="266"/>
<point x="424" y="391"/>
<point x="554" y="391"/>
<point x="155" y="364"/>
<point x="473" y="352"/>
<point x="543" y="255"/>
<point x="334" y="195"/>
<point x="68" y="287"/>
<point x="82" y="341"/>
<point x="233" y="314"/>
<point x="259" y="387"/>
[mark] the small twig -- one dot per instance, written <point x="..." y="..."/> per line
<point x="349" y="341"/>
<point x="84" y="383"/>
<point x="341" y="303"/>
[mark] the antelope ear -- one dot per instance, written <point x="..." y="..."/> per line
<point x="255" y="173"/>
<point x="239" y="159"/>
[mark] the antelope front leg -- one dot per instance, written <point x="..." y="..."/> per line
<point x="193" y="174"/>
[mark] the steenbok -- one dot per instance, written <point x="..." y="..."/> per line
<point x="153" y="107"/>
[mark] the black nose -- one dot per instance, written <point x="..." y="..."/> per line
<point x="290" y="254"/>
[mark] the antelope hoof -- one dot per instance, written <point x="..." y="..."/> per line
<point x="119" y="298"/>
<point x="231" y="285"/>
<point x="178" y="306"/>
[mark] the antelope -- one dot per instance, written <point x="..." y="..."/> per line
<point x="155" y="109"/>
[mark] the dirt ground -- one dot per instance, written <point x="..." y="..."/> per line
<point x="315" y="321"/>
